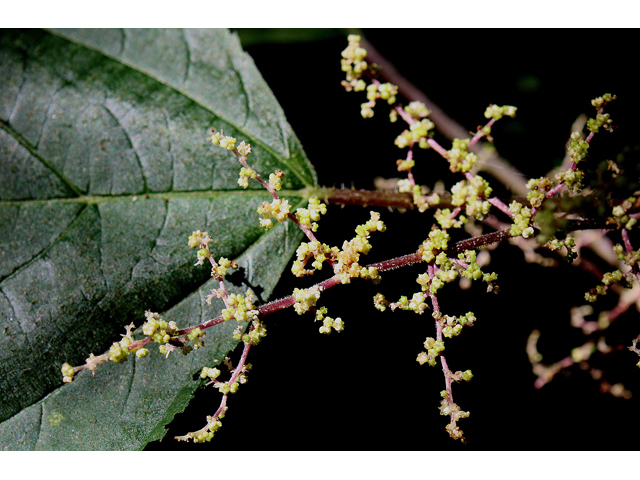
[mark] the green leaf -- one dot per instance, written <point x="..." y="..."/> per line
<point x="105" y="170"/>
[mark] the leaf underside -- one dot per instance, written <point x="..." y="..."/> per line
<point x="105" y="170"/>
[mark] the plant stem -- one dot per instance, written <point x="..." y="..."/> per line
<point x="383" y="266"/>
<point x="366" y="198"/>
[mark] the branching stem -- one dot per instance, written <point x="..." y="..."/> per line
<point x="383" y="266"/>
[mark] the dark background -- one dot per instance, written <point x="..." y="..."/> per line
<point x="362" y="389"/>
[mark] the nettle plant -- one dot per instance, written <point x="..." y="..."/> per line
<point x="130" y="149"/>
<point x="554" y="207"/>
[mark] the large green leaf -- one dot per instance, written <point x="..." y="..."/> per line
<point x="105" y="169"/>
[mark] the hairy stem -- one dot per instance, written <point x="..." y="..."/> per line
<point x="366" y="198"/>
<point x="383" y="266"/>
<point x="223" y="403"/>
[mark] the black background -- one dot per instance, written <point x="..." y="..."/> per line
<point x="362" y="389"/>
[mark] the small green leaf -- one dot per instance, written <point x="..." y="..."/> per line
<point x="105" y="170"/>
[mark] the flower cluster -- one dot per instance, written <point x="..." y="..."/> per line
<point x="620" y="215"/>
<point x="601" y="121"/>
<point x="417" y="303"/>
<point x="496" y="112"/>
<point x="521" y="220"/>
<point x="608" y="279"/>
<point x="417" y="110"/>
<point x="67" y="373"/>
<point x="310" y="215"/>
<point x="240" y="307"/>
<point x="347" y="266"/>
<point x="256" y="333"/>
<point x="452" y="326"/>
<point x="275" y="181"/>
<point x="278" y="209"/>
<point x="437" y="242"/>
<point x="538" y="188"/>
<point x="119" y="352"/>
<point x="459" y="156"/>
<point x="376" y="91"/>
<point x="380" y="302"/>
<point x="222" y="140"/>
<point x="159" y="330"/>
<point x="578" y="147"/>
<point x="472" y="194"/>
<point x="328" y="323"/>
<point x="306" y="298"/>
<point x="455" y="413"/>
<point x="446" y="219"/>
<point x="226" y="388"/>
<point x="418" y="133"/>
<point x="245" y="175"/>
<point x="210" y="373"/>
<point x="421" y="197"/>
<point x="568" y="243"/>
<point x="472" y="270"/>
<point x="205" y="434"/>
<point x="405" y="165"/>
<point x="433" y="348"/>
<point x="199" y="239"/>
<point x="572" y="178"/>
<point x="320" y="252"/>
<point x="599" y="102"/>
<point x="219" y="269"/>
<point x="631" y="258"/>
<point x="354" y="64"/>
<point x="244" y="149"/>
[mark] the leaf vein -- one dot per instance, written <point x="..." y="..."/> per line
<point x="187" y="68"/>
<point x="37" y="256"/>
<point x="21" y="140"/>
<point x="133" y="148"/>
<point x="132" y="375"/>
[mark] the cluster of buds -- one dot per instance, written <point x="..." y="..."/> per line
<point x="353" y="62"/>
<point x="278" y="209"/>
<point x="347" y="266"/>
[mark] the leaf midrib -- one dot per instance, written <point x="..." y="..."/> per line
<point x="304" y="193"/>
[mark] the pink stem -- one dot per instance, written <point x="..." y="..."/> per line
<point x="443" y="361"/>
<point x="405" y="116"/>
<point x="479" y="134"/>
<point x="500" y="205"/>
<point x="436" y="146"/>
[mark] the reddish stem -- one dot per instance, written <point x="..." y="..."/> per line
<point x="405" y="116"/>
<point x="443" y="361"/>
<point x="480" y="133"/>
<point x="500" y="205"/>
<point x="436" y="146"/>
